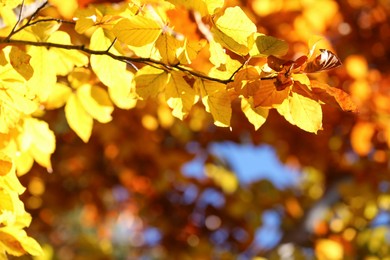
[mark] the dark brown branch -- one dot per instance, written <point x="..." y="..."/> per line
<point x="126" y="59"/>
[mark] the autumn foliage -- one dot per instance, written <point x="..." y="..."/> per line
<point x="110" y="96"/>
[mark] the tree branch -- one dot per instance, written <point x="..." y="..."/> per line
<point x="125" y="59"/>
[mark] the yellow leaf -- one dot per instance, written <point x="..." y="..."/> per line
<point x="204" y="7"/>
<point x="256" y="115"/>
<point x="65" y="60"/>
<point x="66" y="9"/>
<point x="44" y="77"/>
<point x="137" y="31"/>
<point x="234" y="30"/>
<point x="217" y="54"/>
<point x="225" y="71"/>
<point x="168" y="47"/>
<point x="301" y="110"/>
<point x="150" y="81"/>
<point x="5" y="164"/>
<point x="20" y="61"/>
<point x="78" y="119"/>
<point x="24" y="161"/>
<point x="179" y="94"/>
<point x="216" y="101"/>
<point x="12" y="183"/>
<point x="96" y="102"/>
<point x="43" y="30"/>
<point x="124" y="97"/>
<point x="17" y="242"/>
<point x="58" y="96"/>
<point x="112" y="73"/>
<point x="268" y="45"/>
<point x="190" y="50"/>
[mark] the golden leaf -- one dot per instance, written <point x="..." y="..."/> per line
<point x="179" y="94"/>
<point x="78" y="119"/>
<point x="137" y="31"/>
<point x="216" y="101"/>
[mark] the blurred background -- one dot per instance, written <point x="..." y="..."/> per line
<point x="148" y="186"/>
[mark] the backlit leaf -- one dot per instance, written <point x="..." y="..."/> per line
<point x="179" y="94"/>
<point x="265" y="94"/>
<point x="168" y="47"/>
<point x="65" y="60"/>
<point x="150" y="81"/>
<point x="20" y="61"/>
<point x="78" y="119"/>
<point x="333" y="96"/>
<point x="234" y="30"/>
<point x="256" y="115"/>
<point x="44" y="77"/>
<point x="217" y="54"/>
<point x="137" y="31"/>
<point x="301" y="110"/>
<point x="96" y="102"/>
<point x="112" y="73"/>
<point x="58" y="96"/>
<point x="268" y="45"/>
<point x="216" y="101"/>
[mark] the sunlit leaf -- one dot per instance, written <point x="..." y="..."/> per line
<point x="44" y="77"/>
<point x="58" y="96"/>
<point x="301" y="110"/>
<point x="137" y="31"/>
<point x="96" y="102"/>
<point x="168" y="47"/>
<point x="65" y="60"/>
<point x="333" y="96"/>
<point x="180" y="95"/>
<point x="78" y="119"/>
<point x="234" y="29"/>
<point x="268" y="45"/>
<point x="265" y="94"/>
<point x="256" y="115"/>
<point x="20" y="61"/>
<point x="216" y="101"/>
<point x="150" y="81"/>
<point x="111" y="72"/>
<point x="217" y="54"/>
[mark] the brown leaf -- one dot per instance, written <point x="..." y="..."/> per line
<point x="267" y="95"/>
<point x="333" y="96"/>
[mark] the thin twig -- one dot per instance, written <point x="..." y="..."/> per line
<point x="13" y="31"/>
<point x="29" y="23"/>
<point x="112" y="44"/>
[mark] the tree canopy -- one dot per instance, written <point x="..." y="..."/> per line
<point x="114" y="116"/>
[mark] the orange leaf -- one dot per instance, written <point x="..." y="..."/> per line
<point x="333" y="96"/>
<point x="267" y="95"/>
